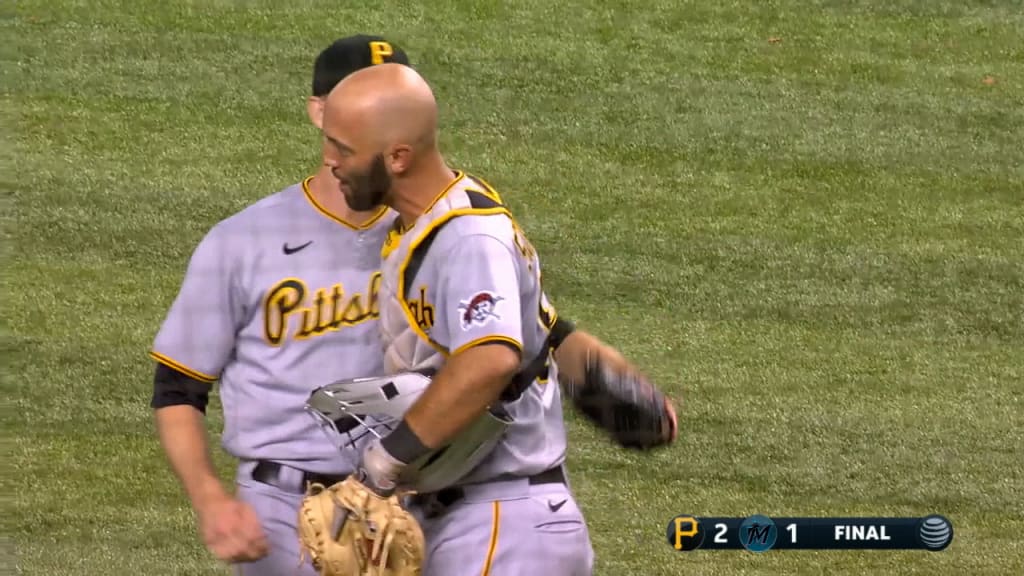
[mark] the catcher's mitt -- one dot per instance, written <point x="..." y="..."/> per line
<point x="625" y="404"/>
<point x="348" y="530"/>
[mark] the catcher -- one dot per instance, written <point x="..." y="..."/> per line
<point x="467" y="333"/>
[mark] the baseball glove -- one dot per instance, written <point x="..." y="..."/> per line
<point x="348" y="530"/>
<point x="625" y="404"/>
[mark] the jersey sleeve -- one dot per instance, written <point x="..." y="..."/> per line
<point x="480" y="295"/>
<point x="198" y="333"/>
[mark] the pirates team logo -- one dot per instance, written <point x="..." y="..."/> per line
<point x="479" y="309"/>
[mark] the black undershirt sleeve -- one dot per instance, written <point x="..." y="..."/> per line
<point x="560" y="331"/>
<point x="173" y="388"/>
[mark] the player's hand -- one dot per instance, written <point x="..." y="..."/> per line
<point x="231" y="530"/>
<point x="672" y="424"/>
<point x="378" y="470"/>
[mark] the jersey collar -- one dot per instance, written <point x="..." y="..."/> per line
<point x="319" y="208"/>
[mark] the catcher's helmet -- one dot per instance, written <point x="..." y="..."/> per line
<point x="388" y="398"/>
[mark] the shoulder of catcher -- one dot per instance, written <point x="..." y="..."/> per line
<point x="484" y="215"/>
<point x="496" y="225"/>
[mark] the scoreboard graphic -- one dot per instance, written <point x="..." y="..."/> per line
<point x="760" y="533"/>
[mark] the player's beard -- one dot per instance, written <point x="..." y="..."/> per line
<point x="368" y="190"/>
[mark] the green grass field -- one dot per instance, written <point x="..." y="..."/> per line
<point x="804" y="218"/>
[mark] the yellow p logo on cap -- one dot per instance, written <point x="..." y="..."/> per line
<point x="379" y="51"/>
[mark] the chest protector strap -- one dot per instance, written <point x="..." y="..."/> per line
<point x="538" y="366"/>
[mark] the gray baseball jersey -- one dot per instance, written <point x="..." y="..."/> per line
<point x="465" y="274"/>
<point x="278" y="299"/>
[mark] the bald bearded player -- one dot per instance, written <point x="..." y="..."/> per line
<point x="457" y="251"/>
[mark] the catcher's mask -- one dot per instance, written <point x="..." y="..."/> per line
<point x="380" y="402"/>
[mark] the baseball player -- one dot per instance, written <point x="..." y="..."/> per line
<point x="277" y="299"/>
<point x="461" y="298"/>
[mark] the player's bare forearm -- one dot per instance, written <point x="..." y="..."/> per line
<point x="571" y="356"/>
<point x="182" y="434"/>
<point x="465" y="386"/>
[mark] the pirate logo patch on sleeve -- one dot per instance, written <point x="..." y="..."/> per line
<point x="479" y="309"/>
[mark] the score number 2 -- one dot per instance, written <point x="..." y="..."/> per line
<point x="720" y="530"/>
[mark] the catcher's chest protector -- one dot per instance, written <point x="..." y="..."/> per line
<point x="404" y="320"/>
<point x="443" y="287"/>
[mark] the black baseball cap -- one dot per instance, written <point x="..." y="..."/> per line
<point x="349" y="54"/>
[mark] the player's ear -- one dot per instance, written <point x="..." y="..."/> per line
<point x="315" y="109"/>
<point x="399" y="158"/>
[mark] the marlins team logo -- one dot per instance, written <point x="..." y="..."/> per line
<point x="479" y="309"/>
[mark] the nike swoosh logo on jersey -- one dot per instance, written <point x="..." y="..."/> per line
<point x="288" y="250"/>
<point x="555" y="507"/>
